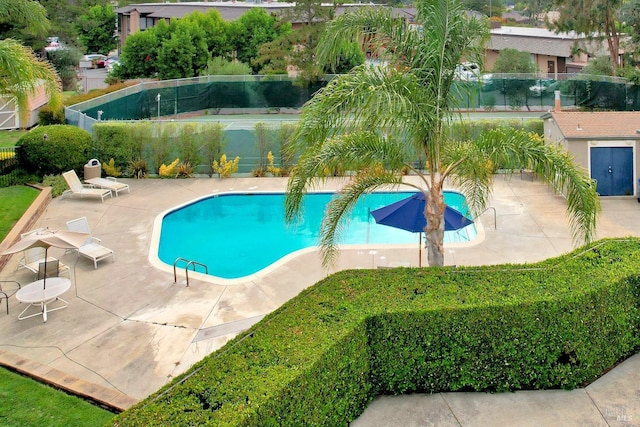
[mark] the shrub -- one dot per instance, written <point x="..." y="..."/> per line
<point x="258" y="172"/>
<point x="489" y="102"/>
<point x="138" y="169"/>
<point x="72" y="100"/>
<point x="47" y="116"/>
<point x="56" y="182"/>
<point x="169" y="171"/>
<point x="184" y="170"/>
<point x="325" y="354"/>
<point x="51" y="150"/>
<point x="121" y="141"/>
<point x="272" y="169"/>
<point x="212" y="140"/>
<point x="225" y="168"/>
<point x="110" y="169"/>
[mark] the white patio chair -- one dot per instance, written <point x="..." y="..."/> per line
<point x="109" y="183"/>
<point x="92" y="247"/>
<point x="76" y="188"/>
<point x="8" y="288"/>
<point x="32" y="258"/>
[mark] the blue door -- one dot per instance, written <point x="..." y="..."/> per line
<point x="612" y="168"/>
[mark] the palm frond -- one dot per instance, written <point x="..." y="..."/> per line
<point x="354" y="151"/>
<point x="333" y="224"/>
<point x="518" y="149"/>
<point x="21" y="72"/>
<point x="368" y="98"/>
<point x="471" y="170"/>
<point x="28" y="13"/>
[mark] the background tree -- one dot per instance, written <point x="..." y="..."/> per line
<point x="251" y="30"/>
<point x="312" y="16"/>
<point x="139" y="56"/>
<point x="273" y="57"/>
<point x="177" y="56"/>
<point x="487" y="8"/>
<point x="97" y="28"/>
<point x="65" y="61"/>
<point x="21" y="72"/>
<point x="215" y="31"/>
<point x="534" y="9"/>
<point x="219" y="66"/>
<point x="600" y="66"/>
<point x="513" y="61"/>
<point x="598" y="19"/>
<point x="184" y="47"/>
<point x="383" y="121"/>
<point x="64" y="16"/>
<point x="630" y="16"/>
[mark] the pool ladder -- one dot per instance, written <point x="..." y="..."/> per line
<point x="186" y="268"/>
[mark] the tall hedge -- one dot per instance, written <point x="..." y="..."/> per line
<point x="51" y="150"/>
<point x="323" y="356"/>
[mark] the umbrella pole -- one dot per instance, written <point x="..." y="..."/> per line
<point x="44" y="279"/>
<point x="420" y="251"/>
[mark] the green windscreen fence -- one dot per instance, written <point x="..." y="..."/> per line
<point x="534" y="94"/>
<point x="245" y="94"/>
<point x="211" y="97"/>
<point x="208" y="98"/>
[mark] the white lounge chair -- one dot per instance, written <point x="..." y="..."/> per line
<point x="91" y="248"/>
<point x="76" y="188"/>
<point x="109" y="183"/>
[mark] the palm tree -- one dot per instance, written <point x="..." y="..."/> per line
<point x="21" y="72"/>
<point x="383" y="121"/>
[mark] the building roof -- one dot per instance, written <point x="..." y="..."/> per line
<point x="231" y="10"/>
<point x="534" y="40"/>
<point x="602" y="125"/>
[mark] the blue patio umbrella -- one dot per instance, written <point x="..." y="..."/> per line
<point x="408" y="214"/>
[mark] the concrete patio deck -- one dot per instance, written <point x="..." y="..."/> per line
<point x="129" y="328"/>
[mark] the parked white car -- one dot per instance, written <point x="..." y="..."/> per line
<point x="111" y="62"/>
<point x="467" y="72"/>
<point x="541" y="87"/>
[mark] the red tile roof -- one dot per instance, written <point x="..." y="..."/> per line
<point x="606" y="124"/>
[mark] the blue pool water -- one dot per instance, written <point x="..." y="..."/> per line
<point x="236" y="235"/>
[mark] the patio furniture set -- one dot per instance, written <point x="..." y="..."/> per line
<point x="48" y="284"/>
<point x="93" y="187"/>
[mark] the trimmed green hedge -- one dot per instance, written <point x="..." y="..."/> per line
<point x="470" y="129"/>
<point x="324" y="355"/>
<point x="159" y="143"/>
<point x="51" y="150"/>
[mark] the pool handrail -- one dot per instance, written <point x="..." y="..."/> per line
<point x="186" y="268"/>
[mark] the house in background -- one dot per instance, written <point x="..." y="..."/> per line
<point x="553" y="53"/>
<point x="550" y="52"/>
<point x="10" y="116"/>
<point x="604" y="143"/>
<point x="139" y="17"/>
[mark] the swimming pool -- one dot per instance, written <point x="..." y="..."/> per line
<point x="236" y="235"/>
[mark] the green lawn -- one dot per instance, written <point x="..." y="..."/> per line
<point x="14" y="201"/>
<point x="8" y="138"/>
<point x="25" y="402"/>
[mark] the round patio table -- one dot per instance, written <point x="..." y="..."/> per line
<point x="36" y="294"/>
